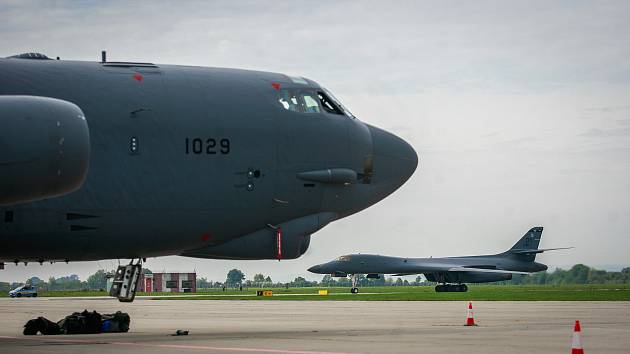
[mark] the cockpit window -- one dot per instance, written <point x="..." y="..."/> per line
<point x="338" y="103"/>
<point x="289" y="100"/>
<point x="344" y="259"/>
<point x="328" y="104"/>
<point x="310" y="102"/>
<point x="307" y="101"/>
<point x="304" y="101"/>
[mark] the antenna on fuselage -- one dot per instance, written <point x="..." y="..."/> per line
<point x="103" y="56"/>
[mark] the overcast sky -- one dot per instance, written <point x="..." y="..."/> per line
<point x="519" y="111"/>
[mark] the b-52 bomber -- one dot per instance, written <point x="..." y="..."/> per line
<point x="105" y="160"/>
<point x="451" y="272"/>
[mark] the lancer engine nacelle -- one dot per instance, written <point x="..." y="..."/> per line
<point x="468" y="277"/>
<point x="44" y="148"/>
<point x="288" y="240"/>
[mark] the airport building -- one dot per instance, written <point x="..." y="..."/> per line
<point x="169" y="282"/>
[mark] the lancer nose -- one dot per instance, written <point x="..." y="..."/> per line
<point x="394" y="161"/>
<point x="542" y="267"/>
<point x="315" y="269"/>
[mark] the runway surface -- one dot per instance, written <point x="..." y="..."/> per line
<point x="307" y="327"/>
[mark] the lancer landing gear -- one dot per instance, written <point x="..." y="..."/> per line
<point x="354" y="289"/>
<point x="451" y="288"/>
<point x="126" y="281"/>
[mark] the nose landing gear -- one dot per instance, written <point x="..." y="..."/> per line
<point x="355" y="289"/>
<point x="451" y="288"/>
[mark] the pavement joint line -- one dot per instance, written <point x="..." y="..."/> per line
<point x="169" y="346"/>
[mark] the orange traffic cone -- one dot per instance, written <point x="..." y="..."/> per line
<point x="470" y="319"/>
<point x="576" y="347"/>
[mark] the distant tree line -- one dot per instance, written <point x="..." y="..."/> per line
<point x="578" y="274"/>
<point x="96" y="281"/>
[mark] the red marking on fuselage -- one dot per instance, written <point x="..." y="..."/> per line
<point x="279" y="242"/>
<point x="275" y="85"/>
<point x="138" y="77"/>
<point x="205" y="237"/>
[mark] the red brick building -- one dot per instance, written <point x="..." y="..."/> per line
<point x="169" y="282"/>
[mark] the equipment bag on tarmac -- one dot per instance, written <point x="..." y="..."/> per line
<point x="81" y="323"/>
<point x="42" y="325"/>
<point x="115" y="322"/>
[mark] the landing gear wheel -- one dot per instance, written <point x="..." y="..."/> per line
<point x="451" y="288"/>
<point x="355" y="289"/>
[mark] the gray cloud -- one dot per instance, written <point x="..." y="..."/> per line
<point x="601" y="133"/>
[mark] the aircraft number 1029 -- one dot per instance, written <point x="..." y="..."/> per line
<point x="209" y="146"/>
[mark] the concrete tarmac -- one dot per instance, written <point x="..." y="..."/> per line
<point x="307" y="327"/>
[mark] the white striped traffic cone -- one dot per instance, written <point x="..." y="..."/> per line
<point x="470" y="319"/>
<point x="576" y="346"/>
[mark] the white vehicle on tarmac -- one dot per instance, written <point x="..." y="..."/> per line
<point x="24" y="291"/>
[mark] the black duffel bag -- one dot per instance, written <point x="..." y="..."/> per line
<point x="42" y="325"/>
<point x="81" y="323"/>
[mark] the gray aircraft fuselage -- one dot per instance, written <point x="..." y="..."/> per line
<point x="472" y="269"/>
<point x="450" y="273"/>
<point x="376" y="264"/>
<point x="202" y="162"/>
<point x="467" y="269"/>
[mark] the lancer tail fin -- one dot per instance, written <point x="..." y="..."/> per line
<point x="527" y="246"/>
<point x="529" y="241"/>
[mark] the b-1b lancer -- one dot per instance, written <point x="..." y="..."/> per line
<point x="105" y="160"/>
<point x="451" y="272"/>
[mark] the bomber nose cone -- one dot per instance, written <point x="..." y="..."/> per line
<point x="394" y="161"/>
<point x="315" y="269"/>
